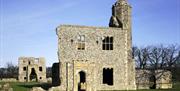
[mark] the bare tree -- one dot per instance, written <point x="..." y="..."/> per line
<point x="142" y="56"/>
<point x="173" y="56"/>
<point x="157" y="57"/>
<point x="12" y="70"/>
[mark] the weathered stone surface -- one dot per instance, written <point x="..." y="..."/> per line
<point x="8" y="80"/>
<point x="121" y="15"/>
<point x="37" y="89"/>
<point x="55" y="89"/>
<point x="32" y="69"/>
<point x="92" y="61"/>
<point x="5" y="87"/>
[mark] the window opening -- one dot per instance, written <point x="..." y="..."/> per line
<point x="107" y="43"/>
<point x="108" y="76"/>
<point x="40" y="68"/>
<point x="81" y="42"/>
<point x="24" y="68"/>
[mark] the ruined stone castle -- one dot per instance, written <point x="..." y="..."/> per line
<point x="32" y="69"/>
<point x="95" y="59"/>
<point x="98" y="58"/>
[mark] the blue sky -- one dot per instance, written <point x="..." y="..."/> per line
<point x="27" y="27"/>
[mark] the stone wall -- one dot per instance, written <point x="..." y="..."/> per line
<point x="8" y="80"/>
<point x="150" y="79"/>
<point x="5" y="87"/>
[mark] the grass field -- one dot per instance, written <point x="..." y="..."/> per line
<point x="17" y="86"/>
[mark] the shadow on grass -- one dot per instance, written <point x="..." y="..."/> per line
<point x="45" y="86"/>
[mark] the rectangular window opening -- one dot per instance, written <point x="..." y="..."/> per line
<point x="81" y="42"/>
<point x="107" y="43"/>
<point x="40" y="68"/>
<point x="108" y="76"/>
<point x="24" y="68"/>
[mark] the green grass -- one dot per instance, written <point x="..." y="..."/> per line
<point x="176" y="87"/>
<point x="18" y="86"/>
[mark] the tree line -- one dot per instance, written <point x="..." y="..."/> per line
<point x="11" y="71"/>
<point x="158" y="58"/>
<point x="148" y="57"/>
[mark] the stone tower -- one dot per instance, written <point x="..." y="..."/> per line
<point x="121" y="18"/>
<point x="121" y="15"/>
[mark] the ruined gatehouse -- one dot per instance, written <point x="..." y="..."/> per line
<point x="32" y="69"/>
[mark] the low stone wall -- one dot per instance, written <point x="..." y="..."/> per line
<point x="159" y="79"/>
<point x="5" y="87"/>
<point x="9" y="80"/>
<point x="37" y="89"/>
<point x="50" y="89"/>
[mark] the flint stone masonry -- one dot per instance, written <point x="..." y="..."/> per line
<point x="32" y="69"/>
<point x="93" y="59"/>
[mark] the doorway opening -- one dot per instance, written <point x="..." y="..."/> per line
<point x="152" y="81"/>
<point x="33" y="75"/>
<point x="82" y="81"/>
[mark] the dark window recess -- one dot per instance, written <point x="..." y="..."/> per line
<point x="24" y="68"/>
<point x="97" y="42"/>
<point x="24" y="77"/>
<point x="107" y="43"/>
<point x="108" y="76"/>
<point x="40" y="77"/>
<point x="40" y="68"/>
<point x="71" y="40"/>
<point x="29" y="62"/>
